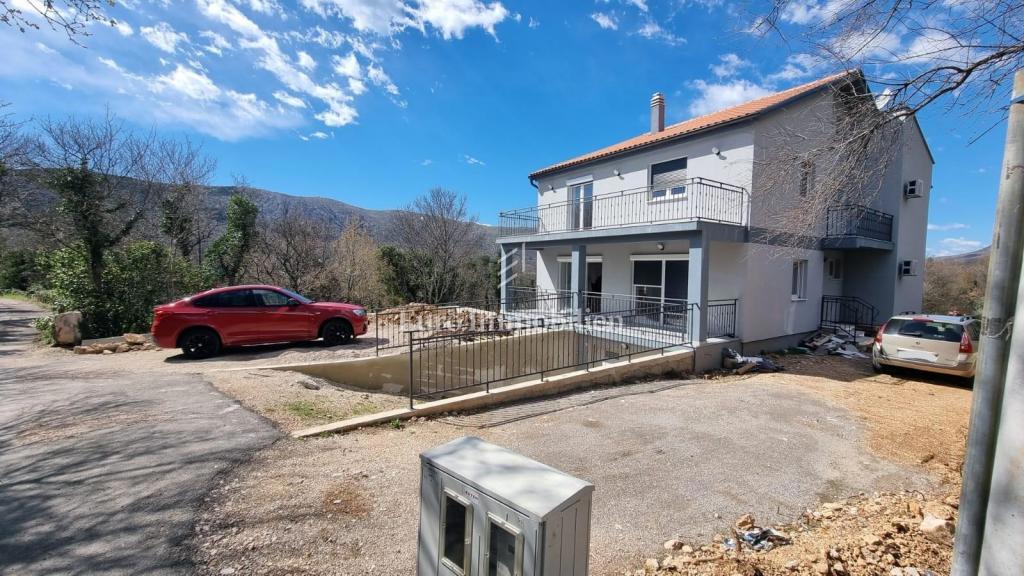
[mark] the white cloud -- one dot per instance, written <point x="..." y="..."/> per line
<point x="718" y="95"/>
<point x="378" y="77"/>
<point x="356" y="86"/>
<point x="451" y="18"/>
<point x="124" y="29"/>
<point x="953" y="246"/>
<point x="163" y="36"/>
<point x="533" y="23"/>
<point x="45" y="49"/>
<point x="347" y="66"/>
<point x="606" y="21"/>
<point x="189" y="82"/>
<point x="289" y="99"/>
<point x="947" y="227"/>
<point x="426" y="162"/>
<point x="218" y="44"/>
<point x="306" y="61"/>
<point x="640" y="4"/>
<point x="319" y="135"/>
<point x="472" y="161"/>
<point x="653" y="31"/>
<point x="729" y="65"/>
<point x="797" y="66"/>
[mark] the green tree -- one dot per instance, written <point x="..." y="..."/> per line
<point x="401" y="275"/>
<point x="226" y="259"/>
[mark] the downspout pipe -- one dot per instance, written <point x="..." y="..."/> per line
<point x="1004" y="269"/>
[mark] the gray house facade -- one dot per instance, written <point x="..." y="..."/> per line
<point x="678" y="215"/>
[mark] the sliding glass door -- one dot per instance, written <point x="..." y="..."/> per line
<point x="660" y="286"/>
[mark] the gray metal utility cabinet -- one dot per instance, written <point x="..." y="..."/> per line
<point x="487" y="511"/>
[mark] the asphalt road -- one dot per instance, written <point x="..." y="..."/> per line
<point x="102" y="472"/>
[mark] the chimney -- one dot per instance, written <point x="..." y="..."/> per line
<point x="657" y="113"/>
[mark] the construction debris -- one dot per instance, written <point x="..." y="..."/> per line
<point x="843" y="345"/>
<point x="739" y="364"/>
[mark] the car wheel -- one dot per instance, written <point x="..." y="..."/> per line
<point x="876" y="366"/>
<point x="337" y="332"/>
<point x="200" y="343"/>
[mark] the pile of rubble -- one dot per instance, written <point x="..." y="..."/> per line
<point x="736" y="363"/>
<point x="434" y="318"/>
<point x="821" y="343"/>
<point x="885" y="534"/>
<point x="127" y="343"/>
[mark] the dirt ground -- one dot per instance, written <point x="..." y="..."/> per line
<point x="680" y="463"/>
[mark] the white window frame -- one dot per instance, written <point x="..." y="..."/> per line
<point x="467" y="545"/>
<point x="668" y="197"/>
<point x="574" y="200"/>
<point x="652" y="258"/>
<point x="834" y="268"/>
<point x="916" y="184"/>
<point x="798" y="292"/>
<point x="904" y="271"/>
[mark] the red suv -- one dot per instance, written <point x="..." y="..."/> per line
<point x="200" y="325"/>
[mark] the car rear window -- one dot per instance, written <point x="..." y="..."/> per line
<point x="925" y="329"/>
<point x="232" y="299"/>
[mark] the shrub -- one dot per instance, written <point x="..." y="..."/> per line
<point x="136" y="277"/>
<point x="45" y="326"/>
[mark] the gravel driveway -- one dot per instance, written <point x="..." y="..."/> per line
<point x="102" y="469"/>
<point x="678" y="461"/>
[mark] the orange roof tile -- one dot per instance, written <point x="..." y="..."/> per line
<point x="742" y="111"/>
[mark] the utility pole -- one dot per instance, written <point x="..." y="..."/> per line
<point x="987" y="514"/>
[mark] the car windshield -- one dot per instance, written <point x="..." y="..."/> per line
<point x="926" y="329"/>
<point x="298" y="297"/>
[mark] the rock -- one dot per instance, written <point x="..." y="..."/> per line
<point x="67" y="329"/>
<point x="937" y="529"/>
<point x="832" y="506"/>
<point x="793" y="565"/>
<point x="122" y="348"/>
<point x="138" y="339"/>
<point x="745" y="522"/>
<point x="672" y="544"/>
<point x="820" y="568"/>
<point x="911" y="571"/>
<point x="938" y="510"/>
<point x="108" y="351"/>
<point x="85" y="350"/>
<point x="952" y="501"/>
<point x="310" y="385"/>
<point x="839" y="570"/>
<point x="227" y="571"/>
<point x="871" y="540"/>
<point x="686" y="549"/>
<point x="651" y="565"/>
<point x="914" y="508"/>
<point x="897" y="571"/>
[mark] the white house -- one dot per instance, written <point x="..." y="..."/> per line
<point x="678" y="214"/>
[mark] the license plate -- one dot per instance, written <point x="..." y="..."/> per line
<point x="917" y="355"/>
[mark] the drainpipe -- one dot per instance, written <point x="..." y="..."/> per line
<point x="997" y="323"/>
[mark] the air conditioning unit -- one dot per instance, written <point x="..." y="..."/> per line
<point x="908" y="267"/>
<point x="912" y="189"/>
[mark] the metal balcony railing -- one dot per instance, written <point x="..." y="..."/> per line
<point x="854" y="220"/>
<point x="694" y="199"/>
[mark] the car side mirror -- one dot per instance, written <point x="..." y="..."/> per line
<point x="293" y="302"/>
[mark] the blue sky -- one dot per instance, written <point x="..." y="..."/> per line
<point x="373" y="102"/>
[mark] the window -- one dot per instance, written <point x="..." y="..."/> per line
<point x="912" y="189"/>
<point x="504" y="548"/>
<point x="806" y="177"/>
<point x="565" y="275"/>
<point x="799" y="291"/>
<point x="834" y="268"/>
<point x="668" y="179"/>
<point x="456" y="532"/>
<point x="270" y="298"/>
<point x="908" y="268"/>
<point x="926" y="329"/>
<point x="231" y="299"/>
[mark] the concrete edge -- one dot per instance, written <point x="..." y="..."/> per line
<point x="608" y="373"/>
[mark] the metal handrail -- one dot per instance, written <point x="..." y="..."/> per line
<point x="698" y="198"/>
<point x="848" y="220"/>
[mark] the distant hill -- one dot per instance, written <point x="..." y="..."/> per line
<point x="966" y="258"/>
<point x="337" y="214"/>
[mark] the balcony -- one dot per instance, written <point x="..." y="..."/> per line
<point x="853" y="226"/>
<point x="692" y="200"/>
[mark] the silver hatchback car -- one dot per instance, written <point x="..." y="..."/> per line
<point x="928" y="342"/>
